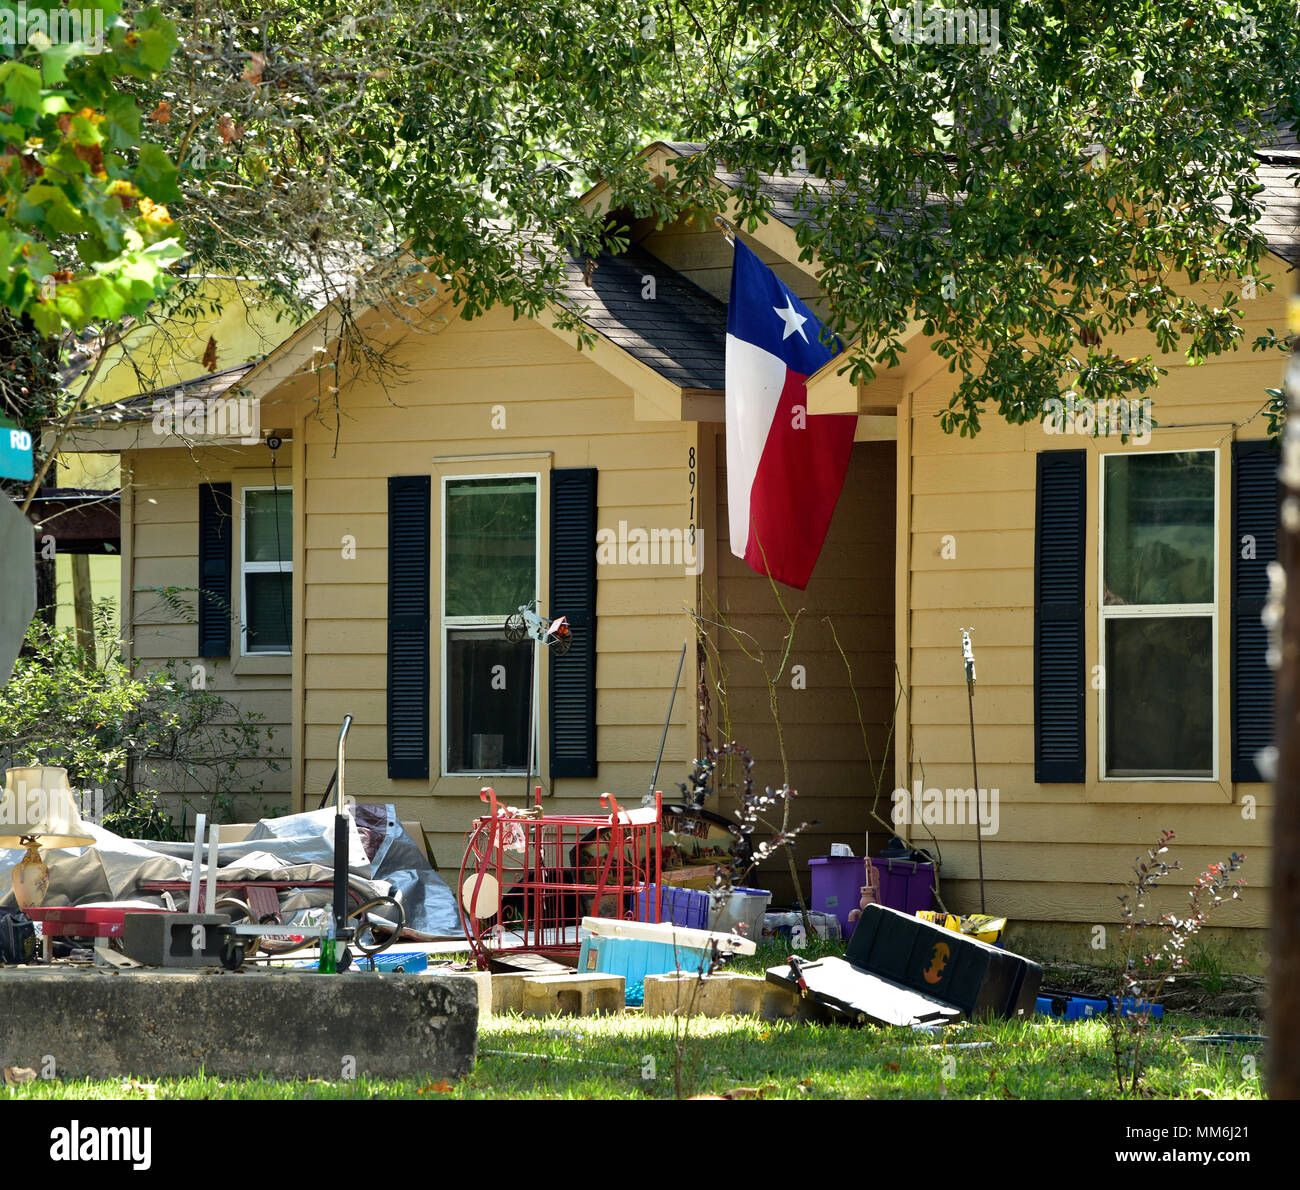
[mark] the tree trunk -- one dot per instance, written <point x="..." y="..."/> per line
<point x="1284" y="965"/>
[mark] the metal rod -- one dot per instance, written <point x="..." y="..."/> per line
<point x="532" y="725"/>
<point x="969" y="659"/>
<point x="341" y="839"/>
<point x="649" y="797"/>
<point x="338" y="772"/>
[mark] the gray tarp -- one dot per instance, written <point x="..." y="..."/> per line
<point x="295" y="847"/>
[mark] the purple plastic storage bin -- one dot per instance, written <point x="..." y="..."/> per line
<point x="905" y="885"/>
<point x="837" y="887"/>
<point x="687" y="907"/>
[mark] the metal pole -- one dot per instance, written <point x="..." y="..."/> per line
<point x="1284" y="924"/>
<point x="340" y="840"/>
<point x="532" y="726"/>
<point x="968" y="658"/>
<point x="650" y="795"/>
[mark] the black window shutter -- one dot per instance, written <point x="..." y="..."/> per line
<point x="216" y="529"/>
<point x="573" y="594"/>
<point x="1255" y="501"/>
<point x="1060" y="527"/>
<point x="408" y="627"/>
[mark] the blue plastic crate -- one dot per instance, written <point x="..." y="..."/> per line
<point x="1129" y="1005"/>
<point x="1072" y="1008"/>
<point x="634" y="959"/>
<point x="1068" y="1007"/>
<point x="410" y="961"/>
<point x="687" y="907"/>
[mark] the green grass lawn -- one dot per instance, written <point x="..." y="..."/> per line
<point x="632" y="1056"/>
<point x="611" y="1057"/>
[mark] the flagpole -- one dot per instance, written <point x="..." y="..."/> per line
<point x="968" y="656"/>
<point x="728" y="231"/>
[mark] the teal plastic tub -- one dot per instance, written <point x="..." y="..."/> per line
<point x="635" y="958"/>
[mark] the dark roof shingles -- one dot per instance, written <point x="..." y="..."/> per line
<point x="681" y="332"/>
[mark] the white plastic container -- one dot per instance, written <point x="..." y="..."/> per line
<point x="743" y="906"/>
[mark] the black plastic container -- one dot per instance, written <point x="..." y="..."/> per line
<point x="979" y="979"/>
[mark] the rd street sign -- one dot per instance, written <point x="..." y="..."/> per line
<point x="15" y="451"/>
<point x="17" y="583"/>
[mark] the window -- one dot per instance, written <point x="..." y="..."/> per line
<point x="266" y="568"/>
<point x="1158" y="614"/>
<point x="489" y="569"/>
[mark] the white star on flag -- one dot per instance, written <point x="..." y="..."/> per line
<point x="793" y="320"/>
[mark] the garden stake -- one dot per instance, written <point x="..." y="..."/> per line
<point x="969" y="658"/>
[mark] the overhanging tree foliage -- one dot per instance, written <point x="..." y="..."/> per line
<point x="1022" y="202"/>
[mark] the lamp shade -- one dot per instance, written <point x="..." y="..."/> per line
<point x="37" y="803"/>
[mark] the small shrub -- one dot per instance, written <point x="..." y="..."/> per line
<point x="1146" y="969"/>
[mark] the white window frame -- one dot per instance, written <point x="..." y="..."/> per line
<point x="246" y="568"/>
<point x="446" y="623"/>
<point x="1150" y="611"/>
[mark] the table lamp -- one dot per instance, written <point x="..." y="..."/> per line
<point x="38" y="811"/>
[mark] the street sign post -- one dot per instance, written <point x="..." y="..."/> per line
<point x="17" y="583"/>
<point x="15" y="451"/>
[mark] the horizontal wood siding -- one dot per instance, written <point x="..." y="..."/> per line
<point x="559" y="405"/>
<point x="853" y="586"/>
<point x="162" y="499"/>
<point x="1062" y="850"/>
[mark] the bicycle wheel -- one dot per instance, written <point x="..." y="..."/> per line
<point x="376" y="924"/>
<point x="563" y="643"/>
<point x="516" y="628"/>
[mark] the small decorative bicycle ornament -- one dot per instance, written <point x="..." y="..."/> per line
<point x="529" y="622"/>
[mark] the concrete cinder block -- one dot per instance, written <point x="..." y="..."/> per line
<point x="169" y="939"/>
<point x="482" y="982"/>
<point x="282" y="1024"/>
<point x="718" y="995"/>
<point x="573" y="995"/>
<point x="508" y="991"/>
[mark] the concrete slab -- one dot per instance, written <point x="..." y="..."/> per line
<point x="100" y="1024"/>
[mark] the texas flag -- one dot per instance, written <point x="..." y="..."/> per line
<point x="785" y="469"/>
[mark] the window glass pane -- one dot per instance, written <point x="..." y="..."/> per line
<point x="491" y="546"/>
<point x="268" y="609"/>
<point x="268" y="526"/>
<point x="1159" y="697"/>
<point x="1159" y="533"/>
<point x="489" y="681"/>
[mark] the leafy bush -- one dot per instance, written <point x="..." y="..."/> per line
<point x="129" y="733"/>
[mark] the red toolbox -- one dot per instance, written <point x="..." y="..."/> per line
<point x="89" y="921"/>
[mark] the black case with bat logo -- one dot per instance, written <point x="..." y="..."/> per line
<point x="979" y="979"/>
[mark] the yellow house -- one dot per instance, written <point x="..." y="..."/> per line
<point x="134" y="438"/>
<point x="370" y="545"/>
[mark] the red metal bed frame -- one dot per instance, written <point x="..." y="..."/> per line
<point x="528" y="878"/>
